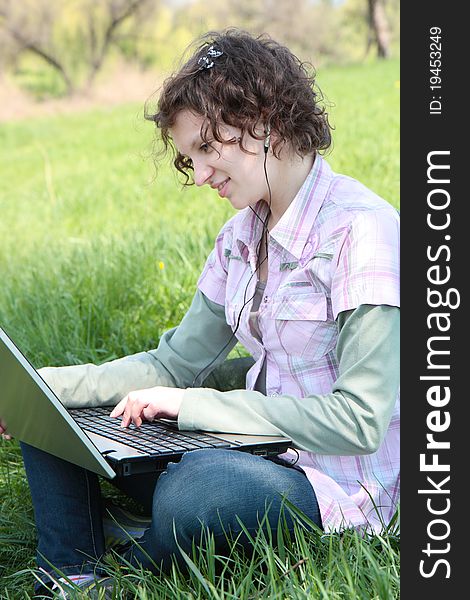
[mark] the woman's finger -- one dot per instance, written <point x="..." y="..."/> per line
<point x="126" y="415"/>
<point x="119" y="408"/>
<point x="129" y="409"/>
<point x="135" y="411"/>
<point x="150" y="412"/>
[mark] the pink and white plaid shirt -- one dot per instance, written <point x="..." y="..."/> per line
<point x="335" y="248"/>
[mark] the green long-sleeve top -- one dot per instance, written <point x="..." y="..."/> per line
<point x="350" y="420"/>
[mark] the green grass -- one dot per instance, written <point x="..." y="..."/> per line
<point x="84" y="228"/>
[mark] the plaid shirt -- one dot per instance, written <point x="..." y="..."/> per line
<point x="335" y="248"/>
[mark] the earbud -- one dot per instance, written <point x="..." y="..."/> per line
<point x="267" y="139"/>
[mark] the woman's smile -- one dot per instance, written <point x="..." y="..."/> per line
<point x="222" y="188"/>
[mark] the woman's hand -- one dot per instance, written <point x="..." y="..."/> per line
<point x="3" y="429"/>
<point x="149" y="404"/>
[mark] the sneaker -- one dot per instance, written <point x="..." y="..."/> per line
<point x="120" y="526"/>
<point x="99" y="589"/>
<point x="63" y="588"/>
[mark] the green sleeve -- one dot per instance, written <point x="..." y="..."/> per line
<point x="181" y="354"/>
<point x="201" y="342"/>
<point x="351" y="420"/>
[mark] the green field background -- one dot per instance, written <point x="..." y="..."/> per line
<point x="100" y="254"/>
<point x="86" y="222"/>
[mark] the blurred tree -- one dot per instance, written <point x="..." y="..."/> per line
<point x="310" y="29"/>
<point x="371" y="24"/>
<point x="29" y="26"/>
<point x="72" y="36"/>
<point x="60" y="46"/>
<point x="8" y="53"/>
<point x="379" y="28"/>
<point x="319" y="31"/>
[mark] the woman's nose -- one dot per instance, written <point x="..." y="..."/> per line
<point x="202" y="173"/>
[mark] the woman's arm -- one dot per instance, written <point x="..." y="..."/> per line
<point x="351" y="420"/>
<point x="181" y="354"/>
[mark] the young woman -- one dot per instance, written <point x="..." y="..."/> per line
<point x="305" y="276"/>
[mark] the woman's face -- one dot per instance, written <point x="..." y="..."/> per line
<point x="235" y="174"/>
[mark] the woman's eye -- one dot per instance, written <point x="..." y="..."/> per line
<point x="205" y="147"/>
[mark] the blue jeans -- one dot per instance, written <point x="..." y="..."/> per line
<point x="212" y="487"/>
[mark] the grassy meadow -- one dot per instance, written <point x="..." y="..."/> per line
<point x="99" y="255"/>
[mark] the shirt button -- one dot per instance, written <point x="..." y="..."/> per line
<point x="265" y="298"/>
<point x="274" y="394"/>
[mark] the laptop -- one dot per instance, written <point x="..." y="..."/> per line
<point x="92" y="439"/>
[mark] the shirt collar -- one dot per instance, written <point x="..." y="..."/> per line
<point x="294" y="227"/>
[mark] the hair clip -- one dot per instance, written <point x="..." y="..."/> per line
<point x="207" y="62"/>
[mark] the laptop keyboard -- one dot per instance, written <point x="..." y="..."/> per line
<point x="150" y="438"/>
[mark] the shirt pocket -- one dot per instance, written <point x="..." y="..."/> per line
<point x="302" y="324"/>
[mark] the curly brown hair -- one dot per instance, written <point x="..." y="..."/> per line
<point x="254" y="80"/>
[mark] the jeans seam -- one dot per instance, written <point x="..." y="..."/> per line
<point x="89" y="513"/>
